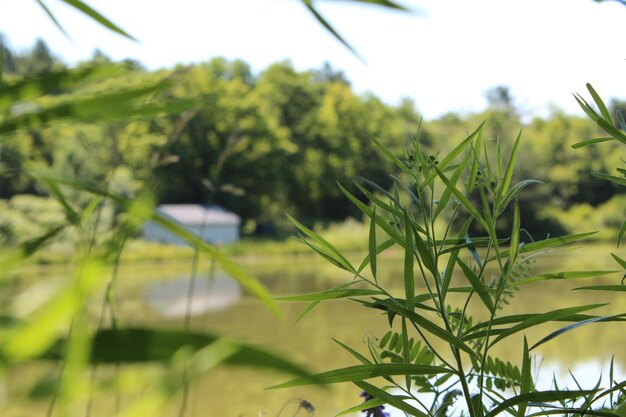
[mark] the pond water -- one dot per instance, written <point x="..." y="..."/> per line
<point x="156" y="295"/>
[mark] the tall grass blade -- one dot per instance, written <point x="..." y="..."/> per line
<point x="372" y="246"/>
<point x="548" y="243"/>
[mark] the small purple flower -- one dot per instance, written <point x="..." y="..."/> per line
<point x="374" y="411"/>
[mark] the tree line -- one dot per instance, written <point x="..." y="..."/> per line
<point x="277" y="141"/>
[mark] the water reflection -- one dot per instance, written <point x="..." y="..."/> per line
<point x="170" y="298"/>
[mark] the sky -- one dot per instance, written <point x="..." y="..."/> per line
<point x="444" y="55"/>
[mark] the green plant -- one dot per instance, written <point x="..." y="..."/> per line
<point x="447" y="315"/>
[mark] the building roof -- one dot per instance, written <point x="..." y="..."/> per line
<point x="197" y="215"/>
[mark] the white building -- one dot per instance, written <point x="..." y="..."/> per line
<point x="212" y="223"/>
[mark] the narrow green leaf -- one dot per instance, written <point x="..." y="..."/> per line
<point x="478" y="285"/>
<point x="542" y="396"/>
<point x="85" y="9"/>
<point x="515" y="228"/>
<point x="450" y="156"/>
<point x="561" y="275"/>
<point x="619" y="260"/>
<point x="548" y="243"/>
<point x="447" y="192"/>
<point x="374" y="402"/>
<point x="331" y="295"/>
<point x="587" y="108"/>
<point x="384" y="3"/>
<point x="382" y="222"/>
<point x="508" y="173"/>
<point x="461" y="197"/>
<point x="373" y="247"/>
<point x="617" y="180"/>
<point x="353" y="352"/>
<point x="616" y="288"/>
<point x="603" y="109"/>
<point x="526" y="380"/>
<point x="361" y="372"/>
<point x="378" y="202"/>
<point x="591" y="142"/>
<point x="336" y="254"/>
<point x="514" y="192"/>
<point x="392" y="157"/>
<point x="390" y="399"/>
<point x="409" y="279"/>
<point x="622" y="229"/>
<point x="544" y="318"/>
<point x="379" y="249"/>
<point x="574" y="326"/>
<point x="52" y="17"/>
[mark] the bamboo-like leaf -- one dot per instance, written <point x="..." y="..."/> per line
<point x="526" y="380"/>
<point x="331" y="295"/>
<point x="392" y="156"/>
<point x="361" y="372"/>
<point x="620" y="234"/>
<point x="548" y="243"/>
<point x="379" y="249"/>
<point x="514" y="192"/>
<point x="314" y="304"/>
<point x="615" y="288"/>
<point x="591" y="142"/>
<point x="85" y="9"/>
<point x="381" y="221"/>
<point x="478" y="285"/>
<point x="587" y="108"/>
<point x="377" y="188"/>
<point x="447" y="192"/>
<point x="541" y="396"/>
<point x="561" y="275"/>
<point x="447" y="160"/>
<point x="603" y="109"/>
<point x="383" y="3"/>
<point x="508" y="173"/>
<point x="409" y="279"/>
<point x="353" y="352"/>
<point x="544" y="318"/>
<point x="619" y="260"/>
<point x="514" y="236"/>
<point x="373" y="247"/>
<point x="374" y="402"/>
<point x="52" y="17"/>
<point x="392" y="400"/>
<point x="378" y="202"/>
<point x="574" y="326"/>
<point x="461" y="197"/>
<point x="617" y="180"/>
<point x="317" y="238"/>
